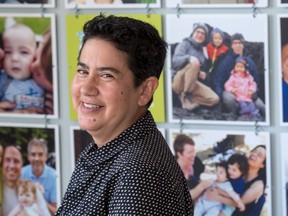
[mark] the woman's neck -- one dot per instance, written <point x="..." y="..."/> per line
<point x="187" y="169"/>
<point x="252" y="173"/>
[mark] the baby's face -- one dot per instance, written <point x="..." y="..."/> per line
<point x="217" y="39"/>
<point x="221" y="174"/>
<point x="285" y="62"/>
<point x="26" y="198"/>
<point x="19" y="49"/>
<point x="239" y="67"/>
<point x="234" y="171"/>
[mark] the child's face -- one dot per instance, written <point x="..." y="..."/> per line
<point x="285" y="62"/>
<point x="221" y="174"/>
<point x="19" y="49"/>
<point x="240" y="67"/>
<point x="26" y="198"/>
<point x="217" y="39"/>
<point x="234" y="171"/>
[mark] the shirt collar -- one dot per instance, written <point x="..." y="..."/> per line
<point x="93" y="156"/>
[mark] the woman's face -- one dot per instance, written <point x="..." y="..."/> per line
<point x="188" y="155"/>
<point x="103" y="91"/>
<point x="199" y="35"/>
<point x="257" y="157"/>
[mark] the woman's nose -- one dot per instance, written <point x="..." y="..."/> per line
<point x="90" y="86"/>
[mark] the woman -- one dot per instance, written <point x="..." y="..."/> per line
<point x="255" y="183"/>
<point x="191" y="165"/>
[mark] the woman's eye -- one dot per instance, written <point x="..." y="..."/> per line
<point x="80" y="71"/>
<point x="106" y="75"/>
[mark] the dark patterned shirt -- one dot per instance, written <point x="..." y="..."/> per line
<point x="134" y="174"/>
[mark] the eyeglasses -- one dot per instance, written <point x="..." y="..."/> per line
<point x="200" y="32"/>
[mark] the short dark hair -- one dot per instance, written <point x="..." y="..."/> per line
<point x="145" y="48"/>
<point x="180" y="141"/>
<point x="242" y="162"/>
<point x="224" y="165"/>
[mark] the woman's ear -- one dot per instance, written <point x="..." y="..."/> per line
<point x="147" y="89"/>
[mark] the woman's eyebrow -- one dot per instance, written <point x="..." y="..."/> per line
<point x="83" y="65"/>
<point x="108" y="69"/>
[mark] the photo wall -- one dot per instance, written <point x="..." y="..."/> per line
<point x="40" y="106"/>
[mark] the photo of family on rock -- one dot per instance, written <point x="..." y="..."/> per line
<point x="218" y="75"/>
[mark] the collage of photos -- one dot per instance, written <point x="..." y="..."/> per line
<point x="216" y="74"/>
<point x="217" y="70"/>
<point x="28" y="79"/>
<point x="284" y="150"/>
<point x="27" y="3"/>
<point x="224" y="170"/>
<point x="283" y="62"/>
<point x="30" y="169"/>
<point x="112" y="3"/>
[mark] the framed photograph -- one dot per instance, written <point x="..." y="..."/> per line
<point x="282" y="3"/>
<point x="31" y="153"/>
<point x="284" y="149"/>
<point x="204" y="155"/>
<point x="27" y="3"/>
<point x="74" y="36"/>
<point x="283" y="67"/>
<point x="90" y="4"/>
<point x="199" y="76"/>
<point x="28" y="85"/>
<point x="216" y="3"/>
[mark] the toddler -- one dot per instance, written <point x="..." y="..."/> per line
<point x="18" y="90"/>
<point x="243" y="86"/>
<point x="28" y="200"/>
<point x="237" y="169"/>
<point x="205" y="207"/>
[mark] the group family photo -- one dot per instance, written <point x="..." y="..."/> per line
<point x="217" y="69"/>
<point x="227" y="173"/>
<point x="30" y="170"/>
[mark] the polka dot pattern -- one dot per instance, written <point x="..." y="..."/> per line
<point x="134" y="174"/>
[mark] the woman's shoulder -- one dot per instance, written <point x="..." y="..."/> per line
<point x="256" y="182"/>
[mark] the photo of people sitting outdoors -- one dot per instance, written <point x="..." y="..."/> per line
<point x="227" y="173"/>
<point x="218" y="71"/>
<point x="30" y="173"/>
